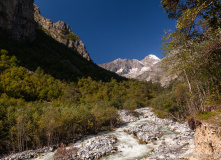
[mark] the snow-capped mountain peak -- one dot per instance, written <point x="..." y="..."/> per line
<point x="131" y="68"/>
<point x="154" y="57"/>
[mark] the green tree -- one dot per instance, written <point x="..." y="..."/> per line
<point x="193" y="50"/>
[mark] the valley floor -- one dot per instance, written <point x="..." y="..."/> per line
<point x="144" y="137"/>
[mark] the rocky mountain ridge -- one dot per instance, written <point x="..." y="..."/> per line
<point x="148" y="69"/>
<point x="61" y="32"/>
<point x="131" y="68"/>
<point x="20" y="19"/>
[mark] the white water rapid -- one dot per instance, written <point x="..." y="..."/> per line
<point x="142" y="138"/>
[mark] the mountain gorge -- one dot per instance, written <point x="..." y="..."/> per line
<point x="52" y="94"/>
<point x="50" y="89"/>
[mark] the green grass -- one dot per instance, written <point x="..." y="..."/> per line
<point x="206" y="115"/>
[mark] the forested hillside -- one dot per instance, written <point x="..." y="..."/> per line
<point x="193" y="53"/>
<point x="50" y="94"/>
<point x="54" y="58"/>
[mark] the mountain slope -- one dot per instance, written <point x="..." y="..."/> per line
<point x="35" y="45"/>
<point x="50" y="94"/>
<point x="131" y="68"/>
<point x="61" y="32"/>
<point x="54" y="58"/>
<point x="157" y="75"/>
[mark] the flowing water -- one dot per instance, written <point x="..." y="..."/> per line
<point x="129" y="147"/>
<point x="127" y="144"/>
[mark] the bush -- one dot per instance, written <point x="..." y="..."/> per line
<point x="161" y="113"/>
<point x="172" y="101"/>
<point x="71" y="36"/>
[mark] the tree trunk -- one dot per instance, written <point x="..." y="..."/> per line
<point x="199" y="92"/>
<point x="190" y="88"/>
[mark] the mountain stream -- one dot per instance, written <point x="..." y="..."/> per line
<point x="140" y="138"/>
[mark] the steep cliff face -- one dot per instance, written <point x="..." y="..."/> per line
<point x="17" y="18"/>
<point x="207" y="142"/>
<point x="61" y="32"/>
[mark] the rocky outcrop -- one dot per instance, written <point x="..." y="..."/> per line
<point x="207" y="142"/>
<point x="61" y="32"/>
<point x="17" y="18"/>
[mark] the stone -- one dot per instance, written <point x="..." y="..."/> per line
<point x="61" y="32"/>
<point x="207" y="142"/>
<point x="17" y="18"/>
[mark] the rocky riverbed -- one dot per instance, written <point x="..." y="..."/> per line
<point x="142" y="137"/>
<point x="150" y="137"/>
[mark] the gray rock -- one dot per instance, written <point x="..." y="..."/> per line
<point x="126" y="116"/>
<point x="96" y="147"/>
<point x="17" y="17"/>
<point x="61" y="32"/>
<point x="157" y="75"/>
<point x="28" y="154"/>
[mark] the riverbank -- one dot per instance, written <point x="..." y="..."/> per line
<point x="142" y="137"/>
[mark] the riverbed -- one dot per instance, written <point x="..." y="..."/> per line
<point x="140" y="138"/>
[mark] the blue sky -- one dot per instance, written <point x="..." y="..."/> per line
<point x="112" y="29"/>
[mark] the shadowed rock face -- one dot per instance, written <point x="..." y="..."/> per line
<point x="17" y="18"/>
<point x="61" y="32"/>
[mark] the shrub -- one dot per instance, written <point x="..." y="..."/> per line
<point x="160" y="113"/>
<point x="130" y="105"/>
<point x="71" y="36"/>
